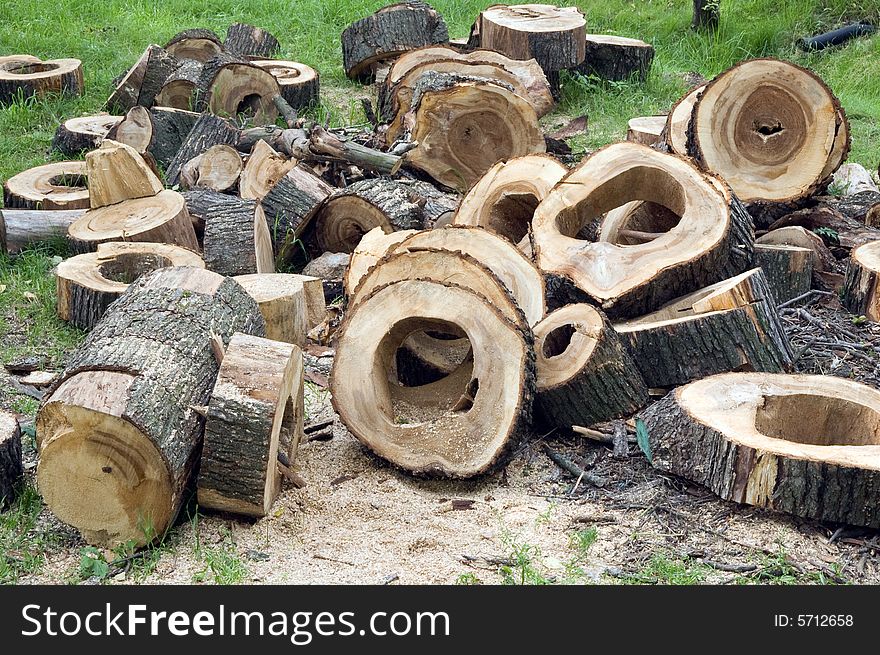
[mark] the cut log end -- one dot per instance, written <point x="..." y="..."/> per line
<point x="860" y="293"/>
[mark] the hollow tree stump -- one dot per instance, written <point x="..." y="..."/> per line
<point x="253" y="401"/>
<point x="802" y="444"/>
<point x="387" y="33"/>
<point x="788" y="269"/>
<point x="60" y="185"/>
<point x="250" y="41"/>
<point x="198" y="44"/>
<point x="300" y="84"/>
<point x="40" y="78"/>
<point x="729" y="326"/>
<point x="144" y="80"/>
<point x="230" y="87"/>
<point x="118" y="434"/>
<point x="159" y="131"/>
<point x="860" y="293"/>
<point x="616" y="58"/>
<point x="11" y="469"/>
<point x="88" y="283"/>
<point x="207" y="131"/>
<point x="585" y="375"/>
<point x="116" y="172"/>
<point x="76" y="135"/>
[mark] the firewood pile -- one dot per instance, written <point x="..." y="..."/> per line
<point x="487" y="290"/>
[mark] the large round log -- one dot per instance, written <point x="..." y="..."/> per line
<point x="207" y="131"/>
<point x="89" y="282"/>
<point x="461" y="426"/>
<point x="60" y="185"/>
<point x="160" y="219"/>
<point x="616" y="58"/>
<point x="159" y="131"/>
<point x="251" y="404"/>
<point x="231" y="87"/>
<point x="199" y="44"/>
<point x="11" y="469"/>
<point x="705" y="236"/>
<point x="729" y="326"/>
<point x="144" y="80"/>
<point x="118" y="434"/>
<point x="22" y="227"/>
<point x="37" y="79"/>
<point x="351" y="212"/>
<point x="802" y="444"/>
<point x="788" y="269"/>
<point x="300" y="84"/>
<point x="116" y="172"/>
<point x="465" y="125"/>
<point x="861" y="293"/>
<point x="76" y="135"/>
<point x="505" y="198"/>
<point x="250" y="41"/>
<point x="387" y="33"/>
<point x="585" y="376"/>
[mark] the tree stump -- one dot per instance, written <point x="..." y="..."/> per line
<point x="461" y="426"/>
<point x="198" y="44"/>
<point x="705" y="236"/>
<point x="252" y="403"/>
<point x="11" y="469"/>
<point x="76" y="135"/>
<point x="372" y="247"/>
<point x="290" y="206"/>
<point x="788" y="269"/>
<point x="300" y="84"/>
<point x="387" y="33"/>
<point x="116" y="172"/>
<point x="505" y="198"/>
<point x="800" y="444"/>
<point x="729" y="326"/>
<point x="585" y="376"/>
<point x="144" y="80"/>
<point x="351" y="212"/>
<point x="645" y="130"/>
<point x="178" y="90"/>
<point x="285" y="300"/>
<point x="860" y="293"/>
<point x="22" y="227"/>
<point x="465" y="125"/>
<point x="795" y="235"/>
<point x="231" y="87"/>
<point x="262" y="171"/>
<point x="237" y="240"/>
<point x="616" y="58"/>
<point x="40" y="78"/>
<point x="88" y="283"/>
<point x="707" y="14"/>
<point x="160" y="131"/>
<point x="207" y="131"/>
<point x="250" y="41"/>
<point x="60" y="185"/>
<point x="118" y="434"/>
<point x="218" y="168"/>
<point x="160" y="219"/>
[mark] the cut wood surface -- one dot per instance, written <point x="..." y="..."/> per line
<point x="351" y="212"/>
<point x="505" y="198"/>
<point x="250" y="41"/>
<point x="76" y="135"/>
<point x="218" y="168"/>
<point x="236" y="236"/>
<point x="162" y="218"/>
<point x="231" y="87"/>
<point x="709" y="238"/>
<point x="554" y="36"/>
<point x="264" y="168"/>
<point x="768" y="127"/>
<point x="88" y="283"/>
<point x="860" y="293"/>
<point x="466" y="125"/>
<point x="23" y="227"/>
<point x="802" y="444"/>
<point x="518" y="273"/>
<point x="178" y="90"/>
<point x="795" y="235"/>
<point x="387" y="33"/>
<point x="372" y="247"/>
<point x="37" y="79"/>
<point x="461" y="426"/>
<point x="159" y="131"/>
<point x="198" y="44"/>
<point x="207" y="131"/>
<point x="678" y="121"/>
<point x="788" y="269"/>
<point x="118" y="434"/>
<point x="290" y="206"/>
<point x="253" y="402"/>
<point x="116" y="172"/>
<point x="585" y="376"/>
<point x="616" y="58"/>
<point x="645" y="129"/>
<point x="59" y="185"/>
<point x="285" y="300"/>
<point x="729" y="326"/>
<point x="300" y="84"/>
<point x="144" y="80"/>
<point x="11" y="469"/>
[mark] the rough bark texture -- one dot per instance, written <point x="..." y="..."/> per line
<point x="62" y="76"/>
<point x="813" y="489"/>
<point x="76" y="135"/>
<point x="608" y="386"/>
<point x="144" y="80"/>
<point x="860" y="293"/>
<point x="388" y="32"/>
<point x="291" y="204"/>
<point x="789" y="270"/>
<point x="23" y="227"/>
<point x="250" y="41"/>
<point x="617" y="59"/>
<point x="707" y="14"/>
<point x="438" y="207"/>
<point x="208" y="131"/>
<point x="11" y="469"/>
<point x="228" y="81"/>
<point x="170" y="130"/>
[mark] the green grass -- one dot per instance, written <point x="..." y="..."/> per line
<point x="667" y="570"/>
<point x="221" y="563"/>
<point x="23" y="544"/>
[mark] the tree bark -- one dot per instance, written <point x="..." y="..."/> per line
<point x="860" y="294"/>
<point x="250" y="41"/>
<point x="300" y="84"/>
<point x="208" y="131"/>
<point x="22" y="227"/>
<point x="178" y="90"/>
<point x="616" y="58"/>
<point x="290" y="206"/>
<point x="707" y="14"/>
<point x="159" y="131"/>
<point x="11" y="469"/>
<point x="143" y="81"/>
<point x="118" y="435"/>
<point x="788" y="269"/>
<point x="198" y="44"/>
<point x="37" y="79"/>
<point x="230" y="86"/>
<point x="76" y="135"/>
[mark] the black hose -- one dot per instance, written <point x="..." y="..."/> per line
<point x="836" y="37"/>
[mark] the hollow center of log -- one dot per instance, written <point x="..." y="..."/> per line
<point x="818" y="420"/>
<point x="558" y="340"/>
<point x="249" y="105"/>
<point x="769" y="130"/>
<point x="644" y="221"/>
<point x="126" y="268"/>
<point x="512" y="214"/>
<point x="30" y="69"/>
<point x="70" y="180"/>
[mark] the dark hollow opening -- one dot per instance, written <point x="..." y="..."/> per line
<point x="28" y="69"/>
<point x="511" y="216"/>
<point x="768" y="130"/>
<point x="126" y="268"/>
<point x="249" y="105"/>
<point x="557" y="341"/>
